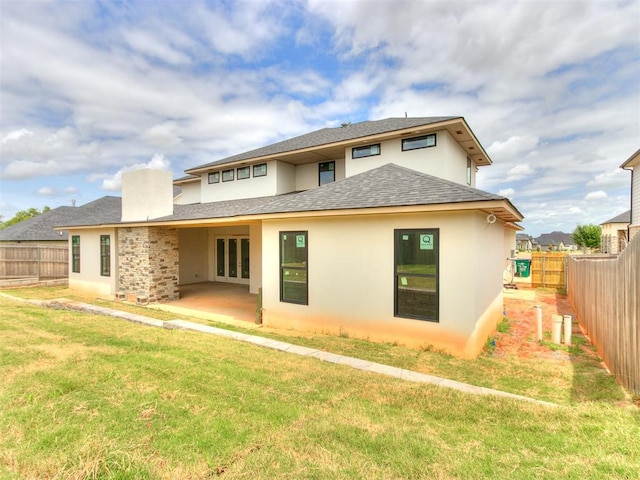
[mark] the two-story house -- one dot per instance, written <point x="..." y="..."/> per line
<point x="375" y="229"/>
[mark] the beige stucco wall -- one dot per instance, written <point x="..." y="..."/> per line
<point x="286" y="174"/>
<point x="251" y="187"/>
<point x="446" y="160"/>
<point x="89" y="280"/>
<point x="190" y="194"/>
<point x="146" y="194"/>
<point x="351" y="279"/>
<point x="255" y="254"/>
<point x="307" y="176"/>
<point x="194" y="255"/>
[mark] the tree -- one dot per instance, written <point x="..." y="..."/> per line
<point x="587" y="236"/>
<point x="23" y="215"/>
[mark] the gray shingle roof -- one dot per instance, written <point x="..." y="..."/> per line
<point x="555" y="238"/>
<point x="622" y="218"/>
<point x="386" y="186"/>
<point x="40" y="227"/>
<point x="327" y="136"/>
<point x="103" y="211"/>
<point x="224" y="209"/>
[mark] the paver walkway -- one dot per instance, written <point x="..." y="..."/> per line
<point x="356" y="363"/>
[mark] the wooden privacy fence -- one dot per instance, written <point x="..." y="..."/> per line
<point x="34" y="261"/>
<point x="604" y="294"/>
<point x="548" y="269"/>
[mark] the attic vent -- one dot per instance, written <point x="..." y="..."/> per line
<point x="345" y="124"/>
<point x="459" y="132"/>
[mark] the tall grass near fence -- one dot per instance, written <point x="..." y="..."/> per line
<point x="34" y="261"/>
<point x="604" y="294"/>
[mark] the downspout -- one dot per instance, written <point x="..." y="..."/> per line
<point x="631" y="204"/>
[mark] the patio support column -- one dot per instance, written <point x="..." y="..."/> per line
<point x="148" y="264"/>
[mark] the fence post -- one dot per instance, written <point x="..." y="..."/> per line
<point x="38" y="262"/>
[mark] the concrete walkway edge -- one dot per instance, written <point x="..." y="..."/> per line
<point x="356" y="363"/>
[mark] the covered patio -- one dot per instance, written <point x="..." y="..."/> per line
<point x="216" y="301"/>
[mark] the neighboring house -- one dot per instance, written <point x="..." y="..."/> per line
<point x="373" y="229"/>
<point x="633" y="164"/>
<point x="556" y="241"/>
<point x="524" y="242"/>
<point x="39" y="230"/>
<point x="614" y="233"/>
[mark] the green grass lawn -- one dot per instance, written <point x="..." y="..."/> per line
<point x="85" y="396"/>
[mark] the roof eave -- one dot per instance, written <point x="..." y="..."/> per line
<point x="632" y="161"/>
<point x="481" y="158"/>
<point x="502" y="209"/>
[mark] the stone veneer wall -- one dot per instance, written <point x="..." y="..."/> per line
<point x="148" y="264"/>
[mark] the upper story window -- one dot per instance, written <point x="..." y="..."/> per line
<point x="214" y="177"/>
<point x="243" y="172"/>
<point x="326" y="172"/>
<point x="227" y="175"/>
<point x="419" y="142"/>
<point x="260" y="170"/>
<point x="366" y="151"/>
<point x="468" y="171"/>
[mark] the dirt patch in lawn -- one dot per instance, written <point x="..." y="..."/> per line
<point x="521" y="337"/>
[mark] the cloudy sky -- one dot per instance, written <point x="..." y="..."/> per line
<point x="90" y="89"/>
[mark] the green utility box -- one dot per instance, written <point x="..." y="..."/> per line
<point x="523" y="268"/>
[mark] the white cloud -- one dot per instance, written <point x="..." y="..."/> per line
<point x="518" y="172"/>
<point x="155" y="46"/>
<point x="16" y="135"/>
<point x="162" y="135"/>
<point x="512" y="147"/>
<point x="610" y="179"/>
<point x="46" y="191"/>
<point x="549" y="90"/>
<point x="114" y="182"/>
<point x="507" y="192"/>
<point x="598" y="195"/>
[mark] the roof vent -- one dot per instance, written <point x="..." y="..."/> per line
<point x="345" y="124"/>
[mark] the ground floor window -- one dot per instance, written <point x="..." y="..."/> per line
<point x="294" y="286"/>
<point x="75" y="253"/>
<point x="417" y="273"/>
<point x="105" y="255"/>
